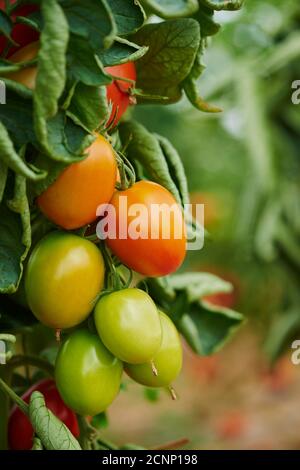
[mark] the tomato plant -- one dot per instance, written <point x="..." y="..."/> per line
<point x="159" y="255"/>
<point x="64" y="275"/>
<point x="70" y="70"/>
<point x="20" y="431"/>
<point x="91" y="382"/>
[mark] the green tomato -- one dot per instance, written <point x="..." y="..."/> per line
<point x="168" y="360"/>
<point x="87" y="375"/>
<point x="129" y="325"/>
<point x="64" y="275"/>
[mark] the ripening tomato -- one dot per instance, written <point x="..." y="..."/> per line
<point x="72" y="200"/>
<point x="63" y="277"/>
<point x="22" y="34"/>
<point x="150" y="229"/>
<point x="26" y="76"/>
<point x="167" y="360"/>
<point x="87" y="375"/>
<point x="119" y="92"/>
<point x="20" y="431"/>
<point x="128" y="324"/>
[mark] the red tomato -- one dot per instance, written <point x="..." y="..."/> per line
<point x="118" y="93"/>
<point x="22" y="34"/>
<point x="150" y="255"/>
<point x="20" y="431"/>
<point x="72" y="200"/>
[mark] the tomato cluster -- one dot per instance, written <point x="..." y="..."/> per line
<point x="66" y="275"/>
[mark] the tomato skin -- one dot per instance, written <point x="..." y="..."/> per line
<point x="64" y="275"/>
<point x="167" y="360"/>
<point x="72" y="200"/>
<point x="27" y="76"/>
<point x="150" y="257"/>
<point x="118" y="92"/>
<point x="20" y="431"/>
<point x="87" y="375"/>
<point x="128" y="323"/>
<point x="22" y="34"/>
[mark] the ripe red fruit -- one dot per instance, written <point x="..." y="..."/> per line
<point x="20" y="431"/>
<point x="118" y="93"/>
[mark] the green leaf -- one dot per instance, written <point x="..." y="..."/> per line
<point x="173" y="47"/>
<point x="51" y="74"/>
<point x="5" y="24"/>
<point x="15" y="235"/>
<point x="172" y="8"/>
<point x="3" y="178"/>
<point x="122" y="51"/>
<point x="88" y="107"/>
<point x="37" y="444"/>
<point x="14" y="161"/>
<point x="83" y="65"/>
<point x="207" y="328"/>
<point x="143" y="147"/>
<point x="176" y="168"/>
<point x="223" y="4"/>
<point x="198" y="285"/>
<point x="92" y="21"/>
<point x="129" y="15"/>
<point x="53" y="434"/>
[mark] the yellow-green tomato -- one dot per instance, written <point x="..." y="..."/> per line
<point x="64" y="275"/>
<point x="88" y="376"/>
<point x="129" y="325"/>
<point x="168" y="360"/>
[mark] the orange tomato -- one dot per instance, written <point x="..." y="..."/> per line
<point x="150" y="255"/>
<point x="72" y="200"/>
<point x="27" y="76"/>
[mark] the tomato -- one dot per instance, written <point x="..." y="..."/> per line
<point x="27" y="76"/>
<point x="157" y="255"/>
<point x="167" y="360"/>
<point x="64" y="275"/>
<point x="20" y="431"/>
<point x="88" y="376"/>
<point x="72" y="200"/>
<point x="118" y="93"/>
<point x="128" y="324"/>
<point x="21" y="33"/>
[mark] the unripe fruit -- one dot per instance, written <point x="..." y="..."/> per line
<point x="168" y="359"/>
<point x="129" y="325"/>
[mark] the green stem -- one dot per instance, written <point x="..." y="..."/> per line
<point x="14" y="397"/>
<point x="21" y="361"/>
<point x="5" y="373"/>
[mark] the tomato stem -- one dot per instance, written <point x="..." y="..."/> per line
<point x="154" y="369"/>
<point x="172" y="393"/>
<point x="14" y="397"/>
<point x="20" y="361"/>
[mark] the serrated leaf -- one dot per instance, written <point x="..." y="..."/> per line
<point x="51" y="74"/>
<point x="15" y="234"/>
<point x="122" y="51"/>
<point x="83" y="65"/>
<point x="53" y="434"/>
<point x="207" y="328"/>
<point x="92" y="21"/>
<point x="172" y="8"/>
<point x="223" y="4"/>
<point x="128" y="14"/>
<point x="88" y="107"/>
<point x="173" y="46"/>
<point x="198" y="285"/>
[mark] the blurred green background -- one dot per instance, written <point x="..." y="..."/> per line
<point x="243" y="165"/>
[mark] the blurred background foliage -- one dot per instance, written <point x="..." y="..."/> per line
<point x="243" y="164"/>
